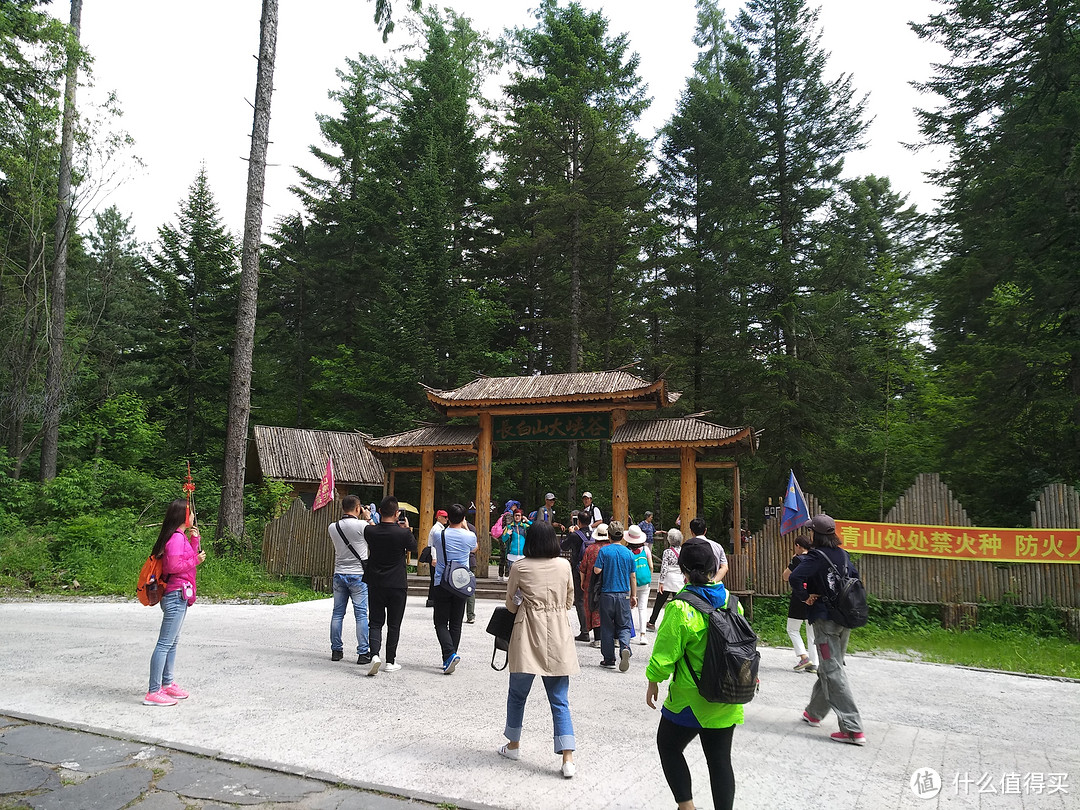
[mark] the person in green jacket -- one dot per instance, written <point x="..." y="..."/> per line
<point x="685" y="713"/>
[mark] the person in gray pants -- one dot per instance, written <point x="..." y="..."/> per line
<point x="832" y="690"/>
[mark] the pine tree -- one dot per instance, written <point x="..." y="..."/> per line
<point x="193" y="269"/>
<point x="1006" y="323"/>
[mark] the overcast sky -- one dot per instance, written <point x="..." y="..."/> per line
<point x="184" y="74"/>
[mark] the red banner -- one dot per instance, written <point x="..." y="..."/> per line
<point x="326" y="487"/>
<point x="960" y="542"/>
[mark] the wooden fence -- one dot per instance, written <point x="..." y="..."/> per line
<point x="298" y="544"/>
<point x="918" y="580"/>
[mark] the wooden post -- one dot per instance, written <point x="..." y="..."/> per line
<point x="393" y="484"/>
<point x="620" y="508"/>
<point x="483" y="495"/>
<point x="687" y="487"/>
<point x="736" y="511"/>
<point x="427" y="500"/>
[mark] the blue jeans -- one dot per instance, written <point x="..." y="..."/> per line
<point x="346" y="587"/>
<point x="174" y="609"/>
<point x="557" y="687"/>
<point x="615" y="622"/>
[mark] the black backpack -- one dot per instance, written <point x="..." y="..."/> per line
<point x="729" y="673"/>
<point x="845" y="595"/>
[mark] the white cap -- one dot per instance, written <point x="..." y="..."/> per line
<point x="586" y="494"/>
<point x="550" y="496"/>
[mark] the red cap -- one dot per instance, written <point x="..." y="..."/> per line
<point x="441" y="513"/>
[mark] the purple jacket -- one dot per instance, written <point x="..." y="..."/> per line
<point x="178" y="563"/>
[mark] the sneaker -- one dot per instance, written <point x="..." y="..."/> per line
<point x="607" y="664"/>
<point x="813" y="721"/>
<point x="641" y="639"/>
<point x="595" y="643"/>
<point x="856" y="738"/>
<point x="375" y="662"/>
<point x="450" y="664"/>
<point x="811" y="669"/>
<point x="510" y="753"/>
<point x="624" y="659"/>
<point x="803" y="664"/>
<point x="582" y="637"/>
<point x="158" y="698"/>
<point x="650" y="627"/>
<point x="391" y="667"/>
<point x="336" y="655"/>
<point x="174" y="691"/>
<point x="569" y="769"/>
<point x="471" y="620"/>
<point x="363" y="658"/>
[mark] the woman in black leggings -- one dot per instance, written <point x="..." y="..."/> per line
<point x="686" y="714"/>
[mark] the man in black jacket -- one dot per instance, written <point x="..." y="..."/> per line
<point x="387" y="581"/>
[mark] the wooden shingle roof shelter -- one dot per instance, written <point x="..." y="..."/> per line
<point x="693" y="441"/>
<point x="298" y="457"/>
<point x="557" y="407"/>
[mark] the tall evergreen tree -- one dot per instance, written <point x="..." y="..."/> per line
<point x="572" y="191"/>
<point x="1006" y="324"/>
<point x="193" y="269"/>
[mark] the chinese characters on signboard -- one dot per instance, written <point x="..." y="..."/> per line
<point x="961" y="543"/>
<point x="552" y="427"/>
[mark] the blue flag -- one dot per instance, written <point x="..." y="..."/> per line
<point x="796" y="515"/>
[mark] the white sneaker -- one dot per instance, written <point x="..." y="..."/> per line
<point x="624" y="659"/>
<point x="641" y="639"/>
<point x="595" y="643"/>
<point x="391" y="667"/>
<point x="569" y="769"/>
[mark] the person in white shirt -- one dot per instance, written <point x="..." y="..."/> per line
<point x="697" y="530"/>
<point x="350" y="552"/>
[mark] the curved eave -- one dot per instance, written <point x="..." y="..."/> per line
<point x="419" y="448"/>
<point x="746" y="438"/>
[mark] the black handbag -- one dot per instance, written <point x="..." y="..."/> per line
<point x="501" y="625"/>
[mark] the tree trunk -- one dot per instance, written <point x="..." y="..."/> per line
<point x="54" y="373"/>
<point x="231" y="514"/>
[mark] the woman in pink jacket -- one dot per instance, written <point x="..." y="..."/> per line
<point x="178" y="547"/>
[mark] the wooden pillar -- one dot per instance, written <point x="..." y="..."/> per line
<point x="427" y="498"/>
<point x="736" y="511"/>
<point x="393" y="483"/>
<point x="483" y="496"/>
<point x="687" y="487"/>
<point x="620" y="508"/>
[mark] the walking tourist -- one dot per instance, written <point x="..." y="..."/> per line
<point x="387" y="581"/>
<point x="832" y="689"/>
<point x="635" y="541"/>
<point x="590" y="582"/>
<point x="541" y="642"/>
<point x="671" y="578"/>
<point x="350" y="552"/>
<point x="575" y="544"/>
<point x="680" y="642"/>
<point x="453" y="545"/>
<point x="618" y="595"/>
<point x="796" y="615"/>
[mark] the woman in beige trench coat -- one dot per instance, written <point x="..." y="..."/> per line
<point x="541" y="592"/>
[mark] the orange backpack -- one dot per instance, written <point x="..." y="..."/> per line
<point x="151" y="585"/>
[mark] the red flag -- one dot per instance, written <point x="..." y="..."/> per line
<point x="326" y="487"/>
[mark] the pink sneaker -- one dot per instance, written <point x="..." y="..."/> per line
<point x="158" y="698"/>
<point x="858" y="738"/>
<point x="813" y="721"/>
<point x="174" y="691"/>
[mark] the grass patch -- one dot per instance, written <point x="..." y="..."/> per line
<point x="103" y="554"/>
<point x="1030" y="640"/>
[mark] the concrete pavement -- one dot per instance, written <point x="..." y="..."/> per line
<point x="264" y="692"/>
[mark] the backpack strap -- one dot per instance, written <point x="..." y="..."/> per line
<point x="705" y="608"/>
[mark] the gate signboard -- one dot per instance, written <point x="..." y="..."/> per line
<point x="551" y="427"/>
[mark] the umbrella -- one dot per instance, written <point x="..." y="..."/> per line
<point x="408" y="507"/>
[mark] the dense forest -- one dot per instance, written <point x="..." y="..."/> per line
<point x="460" y="226"/>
